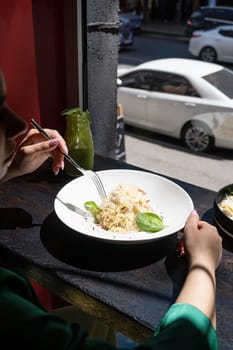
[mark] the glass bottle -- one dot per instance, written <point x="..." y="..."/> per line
<point x="79" y="140"/>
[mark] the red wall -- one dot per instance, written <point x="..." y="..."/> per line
<point x="17" y="56"/>
<point x="48" y="17"/>
<point x="32" y="57"/>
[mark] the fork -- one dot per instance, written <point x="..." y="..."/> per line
<point x="75" y="209"/>
<point x="93" y="175"/>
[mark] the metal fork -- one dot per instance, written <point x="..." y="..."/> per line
<point x="75" y="209"/>
<point x="93" y="175"/>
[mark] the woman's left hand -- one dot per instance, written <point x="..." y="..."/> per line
<point x="34" y="150"/>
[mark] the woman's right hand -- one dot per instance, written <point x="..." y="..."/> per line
<point x="202" y="243"/>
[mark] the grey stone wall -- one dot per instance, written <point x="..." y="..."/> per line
<point x="102" y="61"/>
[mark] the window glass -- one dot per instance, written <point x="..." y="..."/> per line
<point x="138" y="80"/>
<point x="228" y="33"/>
<point x="208" y="13"/>
<point x="173" y="84"/>
<point x="196" y="14"/>
<point x="216" y="14"/>
<point x="220" y="14"/>
<point x="223" y="80"/>
<point x="130" y="80"/>
<point x="159" y="82"/>
<point x="228" y="15"/>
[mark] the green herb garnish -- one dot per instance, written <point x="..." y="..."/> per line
<point x="149" y="222"/>
<point x="92" y="207"/>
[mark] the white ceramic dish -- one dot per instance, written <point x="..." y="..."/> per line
<point x="166" y="197"/>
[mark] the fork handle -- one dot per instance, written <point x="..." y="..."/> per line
<point x="66" y="156"/>
<point x="72" y="161"/>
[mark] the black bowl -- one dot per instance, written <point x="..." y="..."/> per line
<point x="223" y="222"/>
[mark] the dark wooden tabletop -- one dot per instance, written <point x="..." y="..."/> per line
<point x="128" y="286"/>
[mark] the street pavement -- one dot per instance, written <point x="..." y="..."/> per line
<point x="209" y="171"/>
<point x="174" y="29"/>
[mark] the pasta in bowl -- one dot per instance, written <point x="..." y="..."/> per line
<point x="132" y="196"/>
<point x="223" y="210"/>
<point x="126" y="209"/>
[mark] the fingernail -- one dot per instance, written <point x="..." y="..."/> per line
<point x="56" y="171"/>
<point x="62" y="164"/>
<point x="180" y="248"/>
<point x="180" y="234"/>
<point x="53" y="142"/>
<point x="194" y="212"/>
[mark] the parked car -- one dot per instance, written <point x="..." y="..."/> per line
<point x="213" y="45"/>
<point x="207" y="17"/>
<point x="125" y="34"/>
<point x="135" y="21"/>
<point x="186" y="99"/>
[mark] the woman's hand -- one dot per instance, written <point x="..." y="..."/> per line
<point x="203" y="247"/>
<point x="34" y="150"/>
<point x="202" y="243"/>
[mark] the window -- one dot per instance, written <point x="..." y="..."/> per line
<point x="173" y="84"/>
<point x="215" y="14"/>
<point x="227" y="33"/>
<point x="222" y="80"/>
<point x="138" y="80"/>
<point x="228" y="15"/>
<point x="159" y="82"/>
<point x="219" y="14"/>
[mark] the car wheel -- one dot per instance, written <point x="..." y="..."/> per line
<point x="208" y="54"/>
<point x="198" y="137"/>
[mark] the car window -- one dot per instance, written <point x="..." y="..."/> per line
<point x="227" y="33"/>
<point x="222" y="80"/>
<point x="228" y="15"/>
<point x="209" y="13"/>
<point x="215" y="14"/>
<point x="172" y="84"/>
<point x="138" y="80"/>
<point x="196" y="14"/>
<point x="159" y="82"/>
<point x="220" y="14"/>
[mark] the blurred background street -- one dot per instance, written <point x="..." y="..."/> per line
<point x="159" y="153"/>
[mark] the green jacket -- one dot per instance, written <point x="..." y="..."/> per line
<point x="26" y="325"/>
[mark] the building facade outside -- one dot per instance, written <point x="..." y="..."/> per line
<point x="168" y="10"/>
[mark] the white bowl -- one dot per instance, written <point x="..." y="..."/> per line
<point x="166" y="197"/>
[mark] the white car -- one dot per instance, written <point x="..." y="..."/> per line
<point x="213" y="45"/>
<point x="187" y="99"/>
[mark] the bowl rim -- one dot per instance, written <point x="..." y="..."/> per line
<point x="94" y="232"/>
<point x="219" y="215"/>
<point x="222" y="228"/>
<point x="223" y="191"/>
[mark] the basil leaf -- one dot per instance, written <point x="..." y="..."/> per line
<point x="92" y="207"/>
<point x="149" y="222"/>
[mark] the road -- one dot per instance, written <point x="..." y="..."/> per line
<point x="211" y="171"/>
<point x="162" y="154"/>
<point x="149" y="47"/>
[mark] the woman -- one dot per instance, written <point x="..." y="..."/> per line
<point x="189" y="323"/>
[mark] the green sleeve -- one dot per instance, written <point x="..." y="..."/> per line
<point x="24" y="322"/>
<point x="185" y="327"/>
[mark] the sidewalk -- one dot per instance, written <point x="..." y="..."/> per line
<point x="171" y="29"/>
